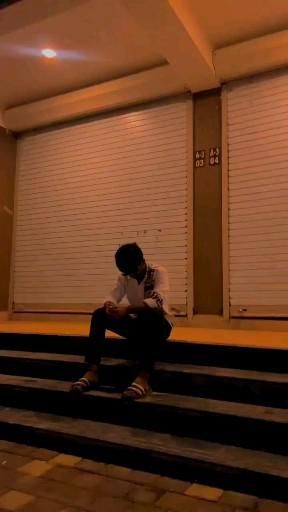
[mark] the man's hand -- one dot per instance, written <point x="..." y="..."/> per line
<point x="109" y="305"/>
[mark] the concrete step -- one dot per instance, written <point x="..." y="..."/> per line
<point x="249" y="426"/>
<point x="248" y="386"/>
<point x="249" y="471"/>
<point x="259" y="359"/>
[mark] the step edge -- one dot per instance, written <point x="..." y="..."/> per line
<point x="98" y="394"/>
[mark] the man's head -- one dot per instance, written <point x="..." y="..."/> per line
<point x="130" y="260"/>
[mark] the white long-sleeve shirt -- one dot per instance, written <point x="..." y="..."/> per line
<point x="153" y="290"/>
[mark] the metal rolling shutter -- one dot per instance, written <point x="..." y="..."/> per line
<point x="258" y="196"/>
<point x="86" y="188"/>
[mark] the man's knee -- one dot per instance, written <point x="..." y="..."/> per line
<point x="152" y="320"/>
<point x="147" y="311"/>
<point x="98" y="315"/>
<point x="151" y="315"/>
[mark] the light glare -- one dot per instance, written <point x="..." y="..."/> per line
<point x="48" y="53"/>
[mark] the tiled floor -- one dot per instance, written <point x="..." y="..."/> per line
<point x="264" y="339"/>
<point x="33" y="480"/>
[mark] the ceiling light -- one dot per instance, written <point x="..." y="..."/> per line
<point x="48" y="53"/>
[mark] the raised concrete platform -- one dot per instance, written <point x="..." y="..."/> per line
<point x="234" y="337"/>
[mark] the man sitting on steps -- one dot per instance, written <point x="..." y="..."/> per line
<point x="144" y="322"/>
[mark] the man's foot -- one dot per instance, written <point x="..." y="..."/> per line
<point x="89" y="381"/>
<point x="139" y="389"/>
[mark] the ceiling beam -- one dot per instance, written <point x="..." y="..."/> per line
<point x="252" y="57"/>
<point x="160" y="82"/>
<point x="173" y="31"/>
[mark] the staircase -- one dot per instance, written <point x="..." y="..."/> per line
<point x="218" y="414"/>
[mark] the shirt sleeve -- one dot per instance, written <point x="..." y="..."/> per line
<point x="118" y="292"/>
<point x="158" y="296"/>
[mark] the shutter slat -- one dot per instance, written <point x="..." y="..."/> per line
<point x="258" y="191"/>
<point x="87" y="187"/>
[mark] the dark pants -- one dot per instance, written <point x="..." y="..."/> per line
<point x="146" y="333"/>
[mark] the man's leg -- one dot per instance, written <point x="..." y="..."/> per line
<point x="100" y="322"/>
<point x="147" y="334"/>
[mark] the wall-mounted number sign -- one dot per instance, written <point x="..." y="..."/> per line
<point x="214" y="156"/>
<point x="200" y="158"/>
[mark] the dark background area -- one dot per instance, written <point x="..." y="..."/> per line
<point x="7" y="3"/>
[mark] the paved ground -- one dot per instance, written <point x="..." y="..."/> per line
<point x="33" y="480"/>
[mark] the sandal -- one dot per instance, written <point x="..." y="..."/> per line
<point x="135" y="392"/>
<point x="82" y="386"/>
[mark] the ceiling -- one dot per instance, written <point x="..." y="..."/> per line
<point x="228" y="22"/>
<point x="98" y="41"/>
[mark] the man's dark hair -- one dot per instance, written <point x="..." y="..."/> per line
<point x="128" y="257"/>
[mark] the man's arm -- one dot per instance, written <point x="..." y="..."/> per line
<point x="158" y="297"/>
<point x="118" y="292"/>
<point x="137" y="309"/>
